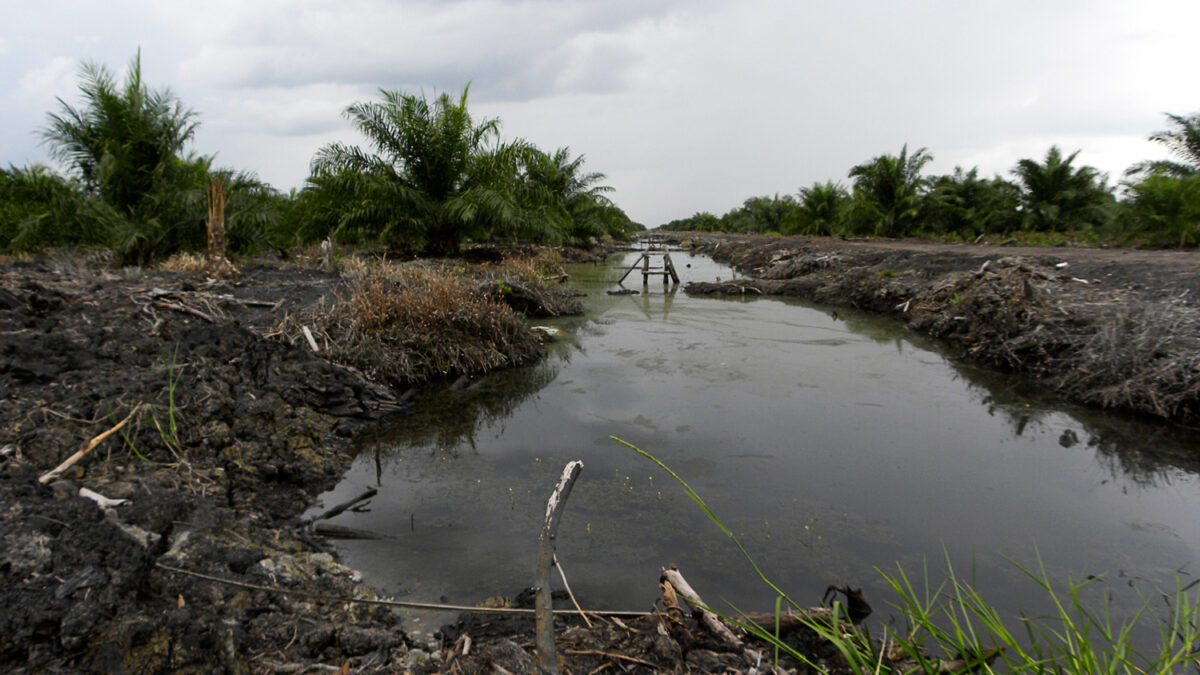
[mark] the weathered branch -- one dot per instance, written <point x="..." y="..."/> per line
<point x="91" y="445"/>
<point x="711" y="621"/>
<point x="543" y="607"/>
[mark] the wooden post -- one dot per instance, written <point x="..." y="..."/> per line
<point x="667" y="263"/>
<point x="542" y="604"/>
<point x="645" y="268"/>
<point x="631" y="268"/>
<point x="216" y="259"/>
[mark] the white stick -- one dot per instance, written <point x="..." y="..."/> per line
<point x="312" y="342"/>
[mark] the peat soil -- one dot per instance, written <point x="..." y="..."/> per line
<point x="234" y="434"/>
<point x="234" y="426"/>
<point x="1113" y="328"/>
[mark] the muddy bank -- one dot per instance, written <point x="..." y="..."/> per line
<point x="1111" y="328"/>
<point x="239" y="426"/>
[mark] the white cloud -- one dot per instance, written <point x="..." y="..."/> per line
<point x="54" y="78"/>
<point x="685" y="105"/>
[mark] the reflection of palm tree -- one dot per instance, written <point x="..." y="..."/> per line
<point x="451" y="417"/>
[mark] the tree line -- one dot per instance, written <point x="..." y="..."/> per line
<point x="431" y="178"/>
<point x="1042" y="200"/>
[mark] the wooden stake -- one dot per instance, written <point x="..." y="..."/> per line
<point x="543" y="607"/>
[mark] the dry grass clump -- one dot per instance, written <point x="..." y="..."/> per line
<point x="1146" y="357"/>
<point x="545" y="265"/>
<point x="1143" y="357"/>
<point x="188" y="263"/>
<point x="417" y="324"/>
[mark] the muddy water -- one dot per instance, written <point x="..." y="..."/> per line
<point x="833" y="444"/>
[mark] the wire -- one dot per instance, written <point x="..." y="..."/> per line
<point x="387" y="603"/>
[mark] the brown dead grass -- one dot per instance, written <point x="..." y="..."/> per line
<point x="404" y="324"/>
<point x="188" y="263"/>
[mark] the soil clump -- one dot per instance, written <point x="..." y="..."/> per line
<point x="1117" y="329"/>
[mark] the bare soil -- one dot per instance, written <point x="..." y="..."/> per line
<point x="236" y="434"/>
<point x="241" y="427"/>
<point x="1113" y="328"/>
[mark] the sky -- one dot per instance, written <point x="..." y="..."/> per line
<point x="686" y="106"/>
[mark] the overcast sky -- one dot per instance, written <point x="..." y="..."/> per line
<point x="686" y="106"/>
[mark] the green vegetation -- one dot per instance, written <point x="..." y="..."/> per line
<point x="432" y="179"/>
<point x="1053" y="200"/>
<point x="951" y="628"/>
<point x="133" y="190"/>
<point x="888" y="194"/>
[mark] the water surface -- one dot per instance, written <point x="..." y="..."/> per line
<point x="834" y="444"/>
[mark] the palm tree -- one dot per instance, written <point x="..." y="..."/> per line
<point x="1183" y="142"/>
<point x="435" y="174"/>
<point x="822" y="208"/>
<point x="1057" y="196"/>
<point x="123" y="142"/>
<point x="888" y="190"/>
<point x="1163" y="209"/>
<point x="557" y="186"/>
<point x="39" y="208"/>
<point x="966" y="205"/>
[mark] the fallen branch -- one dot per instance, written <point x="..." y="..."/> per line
<point x="185" y="309"/>
<point x="312" y="342"/>
<point x="101" y="500"/>
<point x="330" y="531"/>
<point x="570" y="593"/>
<point x="88" y="447"/>
<point x="611" y="655"/>
<point x="710" y="620"/>
<point x="247" y="302"/>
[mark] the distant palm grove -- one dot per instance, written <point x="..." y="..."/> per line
<point x="431" y="178"/>
<point x="1046" y="200"/>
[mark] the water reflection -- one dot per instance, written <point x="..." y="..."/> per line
<point x="450" y="418"/>
<point x="831" y="442"/>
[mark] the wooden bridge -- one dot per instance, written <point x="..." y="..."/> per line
<point x="648" y="267"/>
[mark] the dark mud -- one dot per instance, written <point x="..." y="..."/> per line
<point x="236" y="433"/>
<point x="1117" y="329"/>
<point x="237" y="428"/>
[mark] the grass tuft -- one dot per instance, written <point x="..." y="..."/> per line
<point x="953" y="629"/>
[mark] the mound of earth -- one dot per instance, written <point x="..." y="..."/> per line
<point x="1118" y="329"/>
<point x="232" y="430"/>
